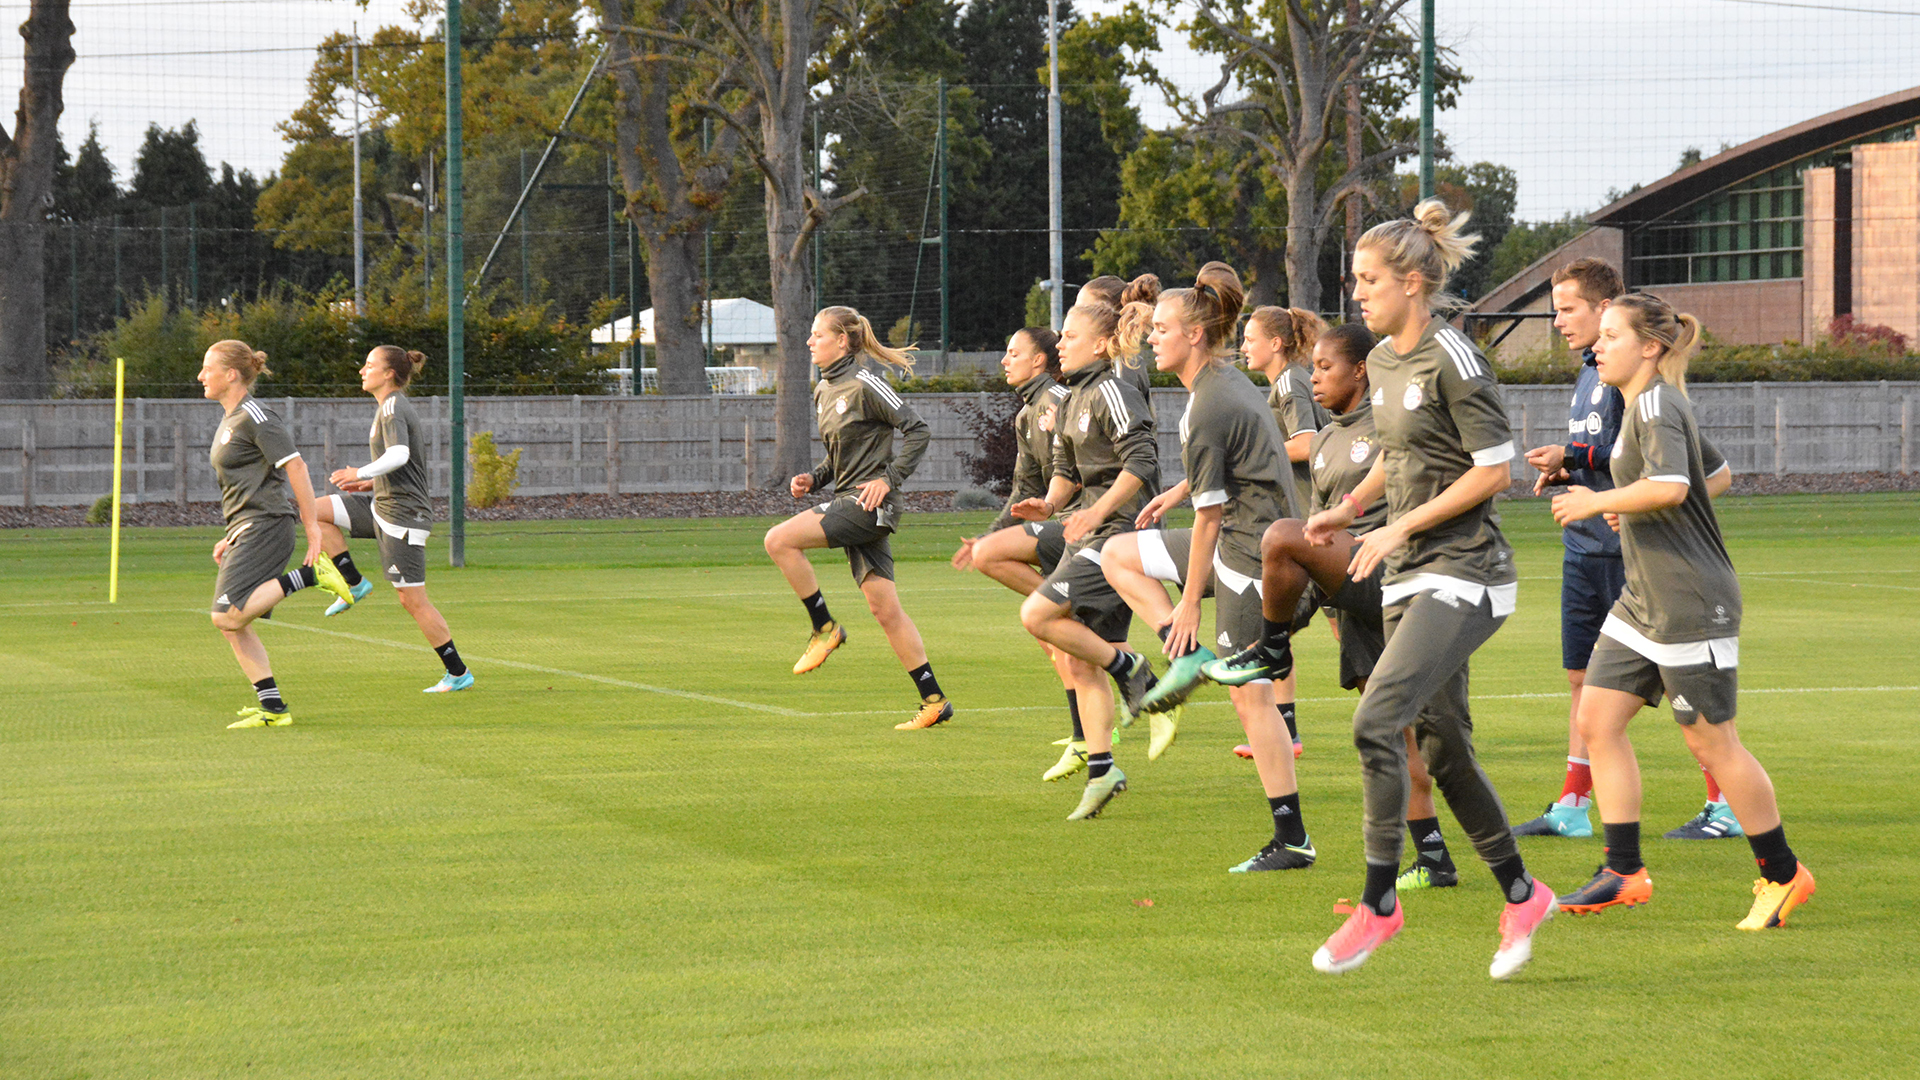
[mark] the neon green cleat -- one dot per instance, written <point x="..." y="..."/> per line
<point x="327" y="576"/>
<point x="254" y="716"/>
<point x="1070" y="762"/>
<point x="1099" y="793"/>
<point x="1162" y="729"/>
<point x="1182" y="678"/>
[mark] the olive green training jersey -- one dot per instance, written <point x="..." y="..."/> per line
<point x="858" y="413"/>
<point x="1295" y="410"/>
<point x="400" y="497"/>
<point x="1437" y="412"/>
<point x="1103" y="430"/>
<point x="1342" y="455"/>
<point x="1231" y="448"/>
<point x="1033" y="445"/>
<point x="249" y="456"/>
<point x="1680" y="583"/>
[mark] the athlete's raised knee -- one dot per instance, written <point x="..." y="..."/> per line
<point x="1283" y="538"/>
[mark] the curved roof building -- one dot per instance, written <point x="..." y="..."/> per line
<point x="1768" y="241"/>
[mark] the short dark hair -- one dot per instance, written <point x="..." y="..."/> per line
<point x="1598" y="279"/>
<point x="1351" y="342"/>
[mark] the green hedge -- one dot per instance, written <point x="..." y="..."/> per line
<point x="315" y="346"/>
<point x="1717" y="363"/>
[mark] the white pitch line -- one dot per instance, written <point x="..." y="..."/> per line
<point x="603" y="679"/>
<point x="1846" y="584"/>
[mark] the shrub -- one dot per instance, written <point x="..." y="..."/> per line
<point x="494" y="475"/>
<point x="974" y="498"/>
<point x="989" y="419"/>
<point x="101" y="512"/>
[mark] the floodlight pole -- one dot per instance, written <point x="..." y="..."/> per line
<point x="359" y="208"/>
<point x="1056" y="256"/>
<point x="1426" y="99"/>
<point x="456" y="302"/>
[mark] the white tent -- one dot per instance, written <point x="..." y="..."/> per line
<point x="736" y="321"/>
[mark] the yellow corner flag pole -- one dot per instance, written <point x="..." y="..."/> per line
<point x="119" y="412"/>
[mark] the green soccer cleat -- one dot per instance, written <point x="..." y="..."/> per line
<point x="1714" y="822"/>
<point x="359" y="591"/>
<point x="1162" y="729"/>
<point x="1425" y="875"/>
<point x="1183" y="677"/>
<point x="327" y="576"/>
<point x="254" y="716"/>
<point x="1251" y="665"/>
<point x="450" y="683"/>
<point x="1072" y="761"/>
<point x="1278" y="856"/>
<point x="1099" y="793"/>
<point x="1558" y="819"/>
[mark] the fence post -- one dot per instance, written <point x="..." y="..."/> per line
<point x="139" y="450"/>
<point x="180" y="463"/>
<point x="713" y="455"/>
<point x="26" y="459"/>
<point x="1886" y="423"/>
<point x="1526" y="436"/>
<point x="326" y="453"/>
<point x="613" y="448"/>
<point x="576" y="443"/>
<point x="1906" y="434"/>
<point x="1779" y="436"/>
<point x="746" y="453"/>
<point x="1755" y="397"/>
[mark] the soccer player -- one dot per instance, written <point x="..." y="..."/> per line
<point x="858" y="413"/>
<point x="1104" y="461"/>
<point x="1015" y="553"/>
<point x="1343" y="454"/>
<point x="1445" y="452"/>
<point x="1676" y="628"/>
<point x="1230" y="448"/>
<point x="257" y="465"/>
<point x="1278" y="343"/>
<point x="399" y="513"/>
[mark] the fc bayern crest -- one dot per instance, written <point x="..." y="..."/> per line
<point x="1086" y="418"/>
<point x="226" y="436"/>
<point x="840" y="406"/>
<point x="1412" y="398"/>
<point x="1359" y="451"/>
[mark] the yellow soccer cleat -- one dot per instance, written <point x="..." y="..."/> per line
<point x="1162" y="729"/>
<point x="254" y="716"/>
<point x="1773" y="903"/>
<point x="819" y="647"/>
<point x="937" y="710"/>
<point x="327" y="576"/>
<point x="1072" y="761"/>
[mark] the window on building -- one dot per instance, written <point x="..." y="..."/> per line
<point x="1748" y="232"/>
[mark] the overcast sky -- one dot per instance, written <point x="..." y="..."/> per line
<point x="1576" y="97"/>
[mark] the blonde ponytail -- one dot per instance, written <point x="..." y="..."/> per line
<point x="1297" y="329"/>
<point x="1677" y="333"/>
<point x="240" y="358"/>
<point x="862" y="339"/>
<point x="1433" y="243"/>
<point x="1130" y="335"/>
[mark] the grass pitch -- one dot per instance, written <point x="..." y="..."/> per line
<point x="641" y="848"/>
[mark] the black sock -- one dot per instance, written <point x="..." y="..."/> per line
<point x="1276" y="638"/>
<point x="1623" y="846"/>
<point x="1073" y="710"/>
<point x="344" y="563"/>
<point x="817" y="611"/>
<point x="269" y="694"/>
<point x="300" y="577"/>
<point x="1428" y="844"/>
<point x="450" y="656"/>
<point x="1776" y="859"/>
<point x="1121" y="663"/>
<point x="1514" y="880"/>
<point x="1286" y="713"/>
<point x="1379" y="895"/>
<point x="1288" y="828"/>
<point x="1098" y="765"/>
<point x="924" y="682"/>
<point x="1163" y="631"/>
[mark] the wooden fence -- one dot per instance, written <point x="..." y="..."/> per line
<point x="55" y="453"/>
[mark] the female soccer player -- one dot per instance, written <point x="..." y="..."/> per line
<point x="1230" y="448"/>
<point x="1343" y="453"/>
<point x="1104" y="448"/>
<point x="1446" y="451"/>
<point x="858" y="413"/>
<point x="1675" y="630"/>
<point x="257" y="466"/>
<point x="1015" y="553"/>
<point x="399" y="512"/>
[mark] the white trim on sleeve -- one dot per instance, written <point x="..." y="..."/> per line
<point x="1204" y="499"/>
<point x="1494" y="455"/>
<point x="282" y="463"/>
<point x="1672" y="479"/>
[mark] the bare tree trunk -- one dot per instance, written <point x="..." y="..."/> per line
<point x="1305" y="233"/>
<point x="674" y="282"/>
<point x="26" y="195"/>
<point x="783" y="126"/>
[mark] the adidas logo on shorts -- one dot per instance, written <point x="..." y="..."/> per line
<point x="1680" y="703"/>
<point x="1061" y="588"/>
<point x="1225" y="641"/>
<point x="223" y="599"/>
<point x="393" y="569"/>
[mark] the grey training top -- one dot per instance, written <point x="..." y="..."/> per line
<point x="1437" y="412"/>
<point x="1295" y="410"/>
<point x="1680" y="583"/>
<point x="858" y="413"/>
<point x="1341" y="457"/>
<point x="400" y="497"/>
<point x="1033" y="445"/>
<point x="1104" y="429"/>
<point x="249" y="456"/>
<point x="1231" y="449"/>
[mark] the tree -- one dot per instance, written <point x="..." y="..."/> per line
<point x="1529" y="241"/>
<point x="28" y="157"/>
<point x="85" y="189"/>
<point x="170" y="170"/>
<point x="1283" y="80"/>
